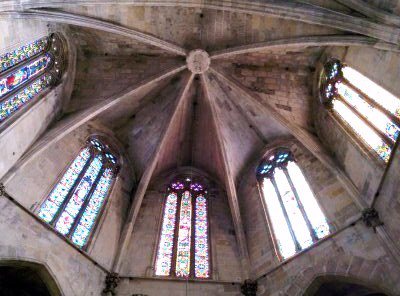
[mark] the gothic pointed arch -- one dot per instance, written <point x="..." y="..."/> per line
<point x="20" y="277"/>
<point x="293" y="213"/>
<point x="367" y="111"/>
<point x="184" y="243"/>
<point x="75" y="203"/>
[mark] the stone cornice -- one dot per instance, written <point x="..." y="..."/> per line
<point x="277" y="8"/>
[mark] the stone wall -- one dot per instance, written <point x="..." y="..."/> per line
<point x="388" y="200"/>
<point x="280" y="78"/>
<point x="29" y="124"/>
<point x="356" y="253"/>
<point x="225" y="262"/>
<point x="149" y="287"/>
<point x="24" y="238"/>
<point x="33" y="181"/>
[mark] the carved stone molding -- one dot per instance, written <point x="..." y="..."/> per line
<point x="198" y="61"/>
<point x="2" y="189"/>
<point x="249" y="288"/>
<point x="112" y="281"/>
<point x="370" y="217"/>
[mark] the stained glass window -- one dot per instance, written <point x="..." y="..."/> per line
<point x="23" y="53"/>
<point x="183" y="249"/>
<point x="27" y="71"/>
<point x="371" y="112"/>
<point x="75" y="203"/>
<point x="294" y="214"/>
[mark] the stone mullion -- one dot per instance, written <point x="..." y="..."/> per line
<point x="86" y="202"/>
<point x="371" y="101"/>
<point x="382" y="135"/>
<point x="100" y="213"/>
<point x="289" y="224"/>
<point x="70" y="192"/>
<point x="301" y="207"/>
<point x="193" y="199"/>
<point x="30" y="80"/>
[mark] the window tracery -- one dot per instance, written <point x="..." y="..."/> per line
<point x="293" y="212"/>
<point x="183" y="249"/>
<point x="74" y="204"/>
<point x="371" y="112"/>
<point x="28" y="71"/>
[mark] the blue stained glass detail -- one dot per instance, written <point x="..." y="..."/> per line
<point x="60" y="192"/>
<point x="11" y="105"/>
<point x="77" y="199"/>
<point x="92" y="210"/>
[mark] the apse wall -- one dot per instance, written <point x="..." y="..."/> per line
<point x="20" y="131"/>
<point x="352" y="250"/>
<point x="362" y="166"/>
<point x="29" y="238"/>
<point x="140" y="261"/>
<point x="388" y="200"/>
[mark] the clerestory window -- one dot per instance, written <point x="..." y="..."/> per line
<point x="26" y="72"/>
<point x="183" y="249"/>
<point x="369" y="111"/>
<point x="292" y="209"/>
<point x="76" y="201"/>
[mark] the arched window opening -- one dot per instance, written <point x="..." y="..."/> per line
<point x="27" y="71"/>
<point x="183" y="249"/>
<point x="371" y="112"/>
<point x="76" y="201"/>
<point x="293" y="212"/>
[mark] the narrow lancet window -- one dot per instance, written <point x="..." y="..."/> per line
<point x="293" y="212"/>
<point x="183" y="249"/>
<point x="371" y="112"/>
<point x="27" y="71"/>
<point x="76" y="201"/>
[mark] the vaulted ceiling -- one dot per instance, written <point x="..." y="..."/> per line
<point x="132" y="76"/>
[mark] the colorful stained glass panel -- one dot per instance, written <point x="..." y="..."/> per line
<point x="92" y="209"/>
<point x="296" y="218"/>
<point x="281" y="230"/>
<point x="373" y="90"/>
<point x="12" y="104"/>
<point x="22" y="53"/>
<point x="184" y="236"/>
<point x="74" y="204"/>
<point x="363" y="130"/>
<point x="59" y="193"/>
<point x="164" y="254"/>
<point x="201" y="259"/>
<point x="18" y="77"/>
<point x="373" y="115"/>
<point x="307" y="198"/>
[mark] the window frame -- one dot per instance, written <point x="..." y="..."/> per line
<point x="179" y="193"/>
<point x="100" y="216"/>
<point x="260" y="179"/>
<point x="327" y="103"/>
<point x="57" y="50"/>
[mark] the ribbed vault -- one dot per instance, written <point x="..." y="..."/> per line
<point x="215" y="119"/>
